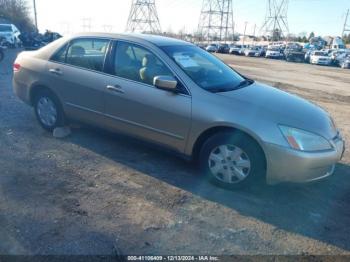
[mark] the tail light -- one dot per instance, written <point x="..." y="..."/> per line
<point x="16" y="67"/>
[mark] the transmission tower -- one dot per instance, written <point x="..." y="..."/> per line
<point x="276" y="20"/>
<point x="143" y="17"/>
<point x="86" y="24"/>
<point x="216" y="20"/>
<point x="346" y="27"/>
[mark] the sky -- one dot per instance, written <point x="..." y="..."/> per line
<point x="324" y="17"/>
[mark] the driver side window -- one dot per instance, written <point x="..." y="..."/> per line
<point x="138" y="64"/>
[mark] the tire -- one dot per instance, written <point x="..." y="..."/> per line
<point x="1" y="55"/>
<point x="245" y="148"/>
<point x="48" y="110"/>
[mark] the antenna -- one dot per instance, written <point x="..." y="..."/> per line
<point x="346" y="27"/>
<point x="216" y="20"/>
<point x="276" y="20"/>
<point x="143" y="17"/>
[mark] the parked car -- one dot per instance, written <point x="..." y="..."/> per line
<point x="174" y="94"/>
<point x="11" y="33"/>
<point x="294" y="53"/>
<point x="212" y="48"/>
<point x="345" y="62"/>
<point x="338" y="55"/>
<point x="234" y="49"/>
<point x="308" y="54"/>
<point x="253" y="51"/>
<point x="242" y="50"/>
<point x="274" y="52"/>
<point x="223" y="48"/>
<point x="202" y="46"/>
<point x="320" y="58"/>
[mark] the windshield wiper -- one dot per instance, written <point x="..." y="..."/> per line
<point x="244" y="83"/>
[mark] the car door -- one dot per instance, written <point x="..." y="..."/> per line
<point x="76" y="75"/>
<point x="136" y="107"/>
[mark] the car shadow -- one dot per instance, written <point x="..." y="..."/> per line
<point x="318" y="210"/>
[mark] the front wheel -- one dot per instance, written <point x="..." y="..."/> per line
<point x="232" y="160"/>
<point x="48" y="110"/>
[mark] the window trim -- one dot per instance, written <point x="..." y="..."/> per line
<point x="114" y="47"/>
<point x="68" y="44"/>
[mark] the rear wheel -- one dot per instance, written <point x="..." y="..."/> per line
<point x="48" y="110"/>
<point x="232" y="160"/>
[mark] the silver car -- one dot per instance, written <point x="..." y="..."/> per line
<point x="177" y="95"/>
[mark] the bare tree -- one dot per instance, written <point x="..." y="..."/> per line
<point x="18" y="13"/>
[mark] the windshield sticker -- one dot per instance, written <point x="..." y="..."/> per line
<point x="185" y="61"/>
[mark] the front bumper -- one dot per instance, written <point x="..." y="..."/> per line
<point x="274" y="56"/>
<point x="321" y="62"/>
<point x="288" y="165"/>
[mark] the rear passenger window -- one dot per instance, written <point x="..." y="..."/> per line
<point x="87" y="53"/>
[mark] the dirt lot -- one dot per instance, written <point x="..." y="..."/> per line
<point x="98" y="193"/>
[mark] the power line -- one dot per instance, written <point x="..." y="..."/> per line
<point x="216" y="20"/>
<point x="143" y="17"/>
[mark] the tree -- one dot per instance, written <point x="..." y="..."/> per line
<point x="17" y="12"/>
<point x="346" y="39"/>
<point x="312" y="35"/>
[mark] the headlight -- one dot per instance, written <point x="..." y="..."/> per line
<point x="303" y="140"/>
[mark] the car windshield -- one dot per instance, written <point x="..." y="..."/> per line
<point x="204" y="69"/>
<point x="320" y="54"/>
<point x="5" y="28"/>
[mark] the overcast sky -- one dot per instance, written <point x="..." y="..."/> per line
<point x="325" y="17"/>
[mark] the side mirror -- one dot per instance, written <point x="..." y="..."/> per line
<point x="167" y="83"/>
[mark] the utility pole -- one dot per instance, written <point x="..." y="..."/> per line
<point x="233" y="31"/>
<point x="216" y="20"/>
<point x="346" y="27"/>
<point x="143" y="17"/>
<point x="245" y="30"/>
<point x="35" y="16"/>
<point x="254" y="34"/>
<point x="276" y="19"/>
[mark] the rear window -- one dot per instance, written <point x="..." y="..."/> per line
<point x="85" y="53"/>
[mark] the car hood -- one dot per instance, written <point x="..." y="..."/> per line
<point x="284" y="108"/>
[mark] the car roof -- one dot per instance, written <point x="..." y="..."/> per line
<point x="154" y="39"/>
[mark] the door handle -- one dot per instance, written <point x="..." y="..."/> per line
<point x="56" y="71"/>
<point x="115" y="88"/>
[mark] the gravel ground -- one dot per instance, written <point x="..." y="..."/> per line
<point x="100" y="193"/>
